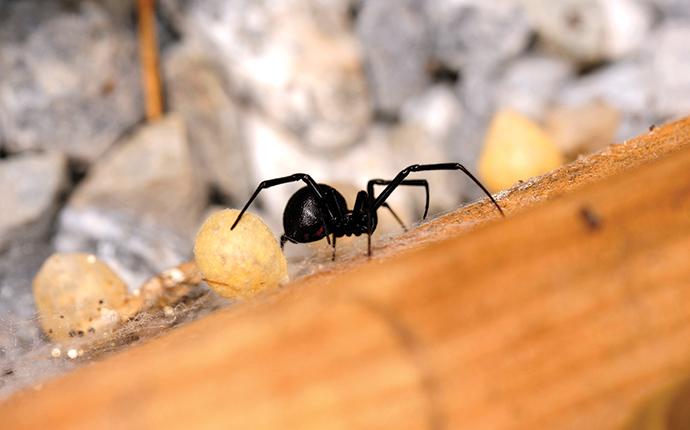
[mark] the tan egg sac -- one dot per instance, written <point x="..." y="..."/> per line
<point x="242" y="262"/>
<point x="77" y="295"/>
<point x="515" y="148"/>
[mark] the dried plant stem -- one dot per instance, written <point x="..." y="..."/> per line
<point x="148" y="51"/>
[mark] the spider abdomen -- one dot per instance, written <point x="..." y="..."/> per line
<point x="304" y="218"/>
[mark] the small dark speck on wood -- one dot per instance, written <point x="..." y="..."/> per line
<point x="591" y="218"/>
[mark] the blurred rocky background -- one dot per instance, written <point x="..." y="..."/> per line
<point x="345" y="90"/>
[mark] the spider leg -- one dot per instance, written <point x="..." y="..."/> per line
<point x="334" y="201"/>
<point x="284" y="180"/>
<point x="408" y="182"/>
<point x="333" y="258"/>
<point x="400" y="177"/>
<point x="284" y="238"/>
<point x="397" y="218"/>
<point x="371" y="211"/>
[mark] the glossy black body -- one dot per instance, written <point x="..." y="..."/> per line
<point x="319" y="211"/>
<point x="305" y="220"/>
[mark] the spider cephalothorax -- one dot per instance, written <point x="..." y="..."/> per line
<point x="319" y="211"/>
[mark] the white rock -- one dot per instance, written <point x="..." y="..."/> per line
<point x="530" y="83"/>
<point x="198" y="91"/>
<point x="477" y="33"/>
<point x="629" y="24"/>
<point x="614" y="83"/>
<point x="427" y="134"/>
<point x="69" y="79"/>
<point x="31" y="186"/>
<point x="413" y="144"/>
<point x="437" y="110"/>
<point x="626" y="85"/>
<point x="672" y="9"/>
<point x="295" y="60"/>
<point x="592" y="30"/>
<point x="477" y="90"/>
<point x="397" y="46"/>
<point x="669" y="51"/>
<point x="477" y="93"/>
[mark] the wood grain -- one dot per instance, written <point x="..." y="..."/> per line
<point x="564" y="315"/>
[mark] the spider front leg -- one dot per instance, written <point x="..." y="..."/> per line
<point x="395" y="215"/>
<point x="400" y="178"/>
<point x="284" y="180"/>
<point x="407" y="182"/>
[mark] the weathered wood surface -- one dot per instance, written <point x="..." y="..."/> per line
<point x="564" y="315"/>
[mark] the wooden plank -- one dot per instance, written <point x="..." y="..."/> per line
<point x="564" y="315"/>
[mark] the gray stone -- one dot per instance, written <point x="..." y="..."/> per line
<point x="530" y="83"/>
<point x="592" y="30"/>
<point x="622" y="84"/>
<point x="415" y="144"/>
<point x="296" y="61"/>
<point x="31" y="186"/>
<point x="120" y="10"/>
<point x="477" y="33"/>
<point x="477" y="92"/>
<point x="198" y="92"/>
<point x="174" y="12"/>
<point x="626" y="85"/>
<point x="672" y="9"/>
<point x="397" y="47"/>
<point x="437" y="110"/>
<point x="669" y="52"/>
<point x="139" y="206"/>
<point x="68" y="78"/>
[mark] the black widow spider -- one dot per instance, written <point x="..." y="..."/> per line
<point x="318" y="210"/>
